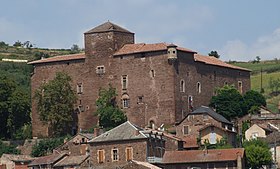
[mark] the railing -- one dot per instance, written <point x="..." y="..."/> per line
<point x="154" y="159"/>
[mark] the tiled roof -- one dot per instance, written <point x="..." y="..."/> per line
<point x="125" y="131"/>
<point x="143" y="47"/>
<point x="72" y="160"/>
<point x="50" y="159"/>
<point x="107" y="27"/>
<point x="17" y="157"/>
<point x="59" y="58"/>
<point x="211" y="60"/>
<point x="200" y="156"/>
<point x="210" y="112"/>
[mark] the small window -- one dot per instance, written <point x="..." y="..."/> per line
<point x="100" y="156"/>
<point x="115" y="155"/>
<point x="100" y="70"/>
<point x="225" y="83"/>
<point x="79" y="88"/>
<point x="240" y="88"/>
<point x="129" y="153"/>
<point x="152" y="73"/>
<point x="182" y="86"/>
<point x="190" y="102"/>
<point x="140" y="99"/>
<point x="124" y="82"/>
<point x="125" y="103"/>
<point x="185" y="130"/>
<point x="198" y="87"/>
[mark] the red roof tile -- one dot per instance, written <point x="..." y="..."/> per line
<point x="198" y="156"/>
<point x="142" y="47"/>
<point x="211" y="60"/>
<point x="60" y="58"/>
<point x="50" y="159"/>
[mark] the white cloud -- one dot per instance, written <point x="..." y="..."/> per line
<point x="267" y="47"/>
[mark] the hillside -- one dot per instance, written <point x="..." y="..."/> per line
<point x="262" y="73"/>
<point x="19" y="70"/>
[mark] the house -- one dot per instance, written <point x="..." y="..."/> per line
<point x="70" y="162"/>
<point x="15" y="161"/>
<point x="265" y="116"/>
<point x="156" y="84"/>
<point x="77" y="145"/>
<point x="200" y="159"/>
<point x="46" y="162"/>
<point x="273" y="140"/>
<point x="205" y="124"/>
<point x="124" y="143"/>
<point x="257" y="130"/>
<point x="212" y="134"/>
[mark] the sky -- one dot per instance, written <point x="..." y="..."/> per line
<point x="238" y="30"/>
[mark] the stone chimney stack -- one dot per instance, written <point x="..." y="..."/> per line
<point x="96" y="132"/>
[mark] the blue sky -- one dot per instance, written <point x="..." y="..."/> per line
<point x="238" y="30"/>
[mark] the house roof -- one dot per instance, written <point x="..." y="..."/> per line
<point x="272" y="138"/>
<point x="145" y="164"/>
<point x="143" y="47"/>
<point x="211" y="60"/>
<point x="210" y="112"/>
<point x="71" y="160"/>
<point x="108" y="27"/>
<point x="50" y="159"/>
<point x="212" y="125"/>
<point x="59" y="58"/>
<point x="200" y="156"/>
<point x="125" y="131"/>
<point x="18" y="158"/>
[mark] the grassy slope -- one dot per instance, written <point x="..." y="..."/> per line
<point x="270" y="69"/>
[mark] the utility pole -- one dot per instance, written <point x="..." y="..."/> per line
<point x="261" y="82"/>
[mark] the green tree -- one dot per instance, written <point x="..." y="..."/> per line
<point x="55" y="103"/>
<point x="227" y="102"/>
<point x="214" y="53"/>
<point x="17" y="44"/>
<point x="257" y="153"/>
<point x="252" y="101"/>
<point x="75" y="49"/>
<point x="108" y="111"/>
<point x="3" y="44"/>
<point x="46" y="146"/>
<point x="8" y="149"/>
<point x="14" y="107"/>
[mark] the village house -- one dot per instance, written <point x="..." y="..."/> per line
<point x="15" y="161"/>
<point x="204" y="124"/>
<point x="46" y="162"/>
<point x="201" y="159"/>
<point x="128" y="142"/>
<point x="156" y="83"/>
<point x="257" y="131"/>
<point x="77" y="162"/>
<point x="77" y="145"/>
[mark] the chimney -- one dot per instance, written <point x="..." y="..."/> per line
<point x="96" y="132"/>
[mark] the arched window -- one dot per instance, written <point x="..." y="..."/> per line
<point x="198" y="87"/>
<point x="152" y="124"/>
<point x="182" y="86"/>
<point x="125" y="101"/>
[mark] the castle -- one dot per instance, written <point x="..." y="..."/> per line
<point x="156" y="83"/>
